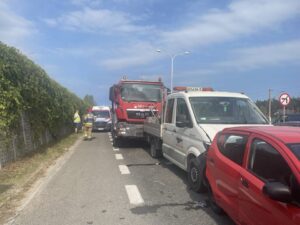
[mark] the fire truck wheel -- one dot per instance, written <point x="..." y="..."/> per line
<point x="116" y="142"/>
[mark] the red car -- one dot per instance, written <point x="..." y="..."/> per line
<point x="253" y="174"/>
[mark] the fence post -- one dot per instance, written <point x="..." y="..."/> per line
<point x="14" y="147"/>
<point x="1" y="158"/>
<point x="23" y="129"/>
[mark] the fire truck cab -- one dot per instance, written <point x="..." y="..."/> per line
<point x="132" y="102"/>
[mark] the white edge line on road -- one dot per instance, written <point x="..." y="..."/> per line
<point x="119" y="156"/>
<point x="124" y="169"/>
<point x="134" y="195"/>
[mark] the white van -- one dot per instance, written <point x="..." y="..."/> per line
<point x="102" y="118"/>
<point x="191" y="120"/>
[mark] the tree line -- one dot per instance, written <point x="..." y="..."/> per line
<point x="276" y="107"/>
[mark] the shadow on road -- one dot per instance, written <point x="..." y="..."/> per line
<point x="199" y="200"/>
<point x="154" y="208"/>
<point x="132" y="143"/>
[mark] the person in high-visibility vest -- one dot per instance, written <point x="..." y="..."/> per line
<point x="88" y="124"/>
<point x="77" y="121"/>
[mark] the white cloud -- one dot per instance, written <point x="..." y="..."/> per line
<point x="132" y="55"/>
<point x="14" y="28"/>
<point x="154" y="77"/>
<point x="50" y="22"/>
<point x="269" y="55"/>
<point x="92" y="3"/>
<point x="241" y="17"/>
<point x="199" y="72"/>
<point x="97" y="20"/>
<point x="274" y="55"/>
<point x="80" y="51"/>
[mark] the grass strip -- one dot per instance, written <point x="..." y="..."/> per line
<point x="17" y="177"/>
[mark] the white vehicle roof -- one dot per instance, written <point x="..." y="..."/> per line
<point x="207" y="94"/>
<point x="95" y="108"/>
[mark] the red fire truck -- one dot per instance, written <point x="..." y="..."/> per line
<point x="132" y="102"/>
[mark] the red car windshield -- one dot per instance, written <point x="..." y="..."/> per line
<point x="295" y="148"/>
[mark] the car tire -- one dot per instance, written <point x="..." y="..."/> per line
<point x="212" y="202"/>
<point x="155" y="152"/>
<point x="196" y="174"/>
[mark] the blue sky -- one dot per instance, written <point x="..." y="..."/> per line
<point x="87" y="45"/>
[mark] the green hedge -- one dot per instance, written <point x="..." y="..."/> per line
<point x="26" y="87"/>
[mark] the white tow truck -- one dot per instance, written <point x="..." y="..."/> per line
<point x="189" y="122"/>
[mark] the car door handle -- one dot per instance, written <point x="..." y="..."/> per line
<point x="244" y="182"/>
<point x="178" y="139"/>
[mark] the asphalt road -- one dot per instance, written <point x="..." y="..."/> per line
<point x="100" y="184"/>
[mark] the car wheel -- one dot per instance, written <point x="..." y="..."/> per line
<point x="212" y="202"/>
<point x="196" y="176"/>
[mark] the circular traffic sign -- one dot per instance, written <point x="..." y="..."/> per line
<point x="284" y="99"/>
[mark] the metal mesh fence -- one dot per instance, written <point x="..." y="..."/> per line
<point x="21" y="142"/>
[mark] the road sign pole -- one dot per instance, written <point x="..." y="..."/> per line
<point x="284" y="100"/>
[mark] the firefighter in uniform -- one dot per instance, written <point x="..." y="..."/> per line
<point x="88" y="124"/>
<point x="77" y="121"/>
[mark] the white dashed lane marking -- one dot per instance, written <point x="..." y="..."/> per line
<point x="134" y="195"/>
<point x="116" y="149"/>
<point x="124" y="169"/>
<point x="119" y="156"/>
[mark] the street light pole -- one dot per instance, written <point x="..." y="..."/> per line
<point x="172" y="72"/>
<point x="270" y="102"/>
<point x="172" y="65"/>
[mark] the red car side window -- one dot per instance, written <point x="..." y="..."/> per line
<point x="267" y="163"/>
<point x="233" y="146"/>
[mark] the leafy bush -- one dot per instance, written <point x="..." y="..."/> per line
<point x="26" y="87"/>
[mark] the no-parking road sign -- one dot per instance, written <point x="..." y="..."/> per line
<point x="284" y="99"/>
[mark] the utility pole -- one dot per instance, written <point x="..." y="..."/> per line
<point x="270" y="100"/>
